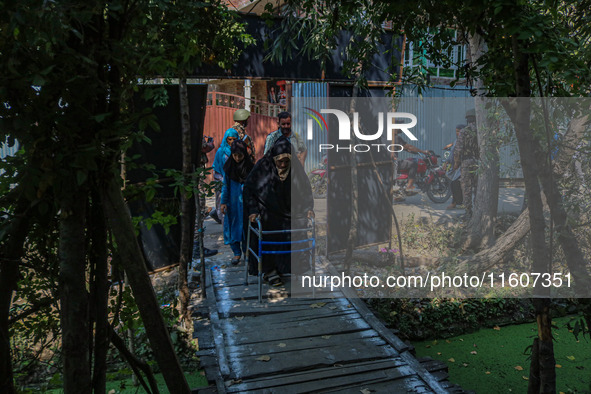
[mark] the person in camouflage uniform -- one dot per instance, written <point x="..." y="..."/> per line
<point x="240" y="122"/>
<point x="466" y="156"/>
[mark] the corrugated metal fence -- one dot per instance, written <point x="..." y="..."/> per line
<point x="312" y="95"/>
<point x="438" y="111"/>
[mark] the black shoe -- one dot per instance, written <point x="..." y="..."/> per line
<point x="209" y="252"/>
<point x="214" y="216"/>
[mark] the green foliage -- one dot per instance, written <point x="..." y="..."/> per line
<point x="440" y="318"/>
<point x="68" y="73"/>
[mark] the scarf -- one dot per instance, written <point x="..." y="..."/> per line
<point x="282" y="172"/>
<point x="238" y="171"/>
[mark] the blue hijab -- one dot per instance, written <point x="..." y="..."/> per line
<point x="224" y="151"/>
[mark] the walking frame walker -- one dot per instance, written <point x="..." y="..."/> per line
<point x="258" y="231"/>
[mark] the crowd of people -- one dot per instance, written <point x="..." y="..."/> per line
<point x="262" y="190"/>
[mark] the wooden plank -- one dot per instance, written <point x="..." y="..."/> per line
<point x="202" y="331"/>
<point x="228" y="308"/>
<point x="314" y="375"/>
<point x="377" y="325"/>
<point x="284" y="318"/>
<point x="250" y="292"/>
<point x="299" y="360"/>
<point x="269" y="348"/>
<point x="409" y="384"/>
<point x="330" y="326"/>
<point x="367" y="380"/>
<point x="223" y="367"/>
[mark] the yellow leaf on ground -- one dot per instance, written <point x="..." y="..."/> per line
<point x="448" y="341"/>
<point x="318" y="305"/>
<point x="239" y="317"/>
<point x="332" y="307"/>
<point x="558" y="366"/>
<point x="451" y="360"/>
<point x="571" y="358"/>
<point x="497" y="328"/>
<point x="326" y="336"/>
<point x="439" y="353"/>
<point x="525" y="378"/>
<point x="473" y="352"/>
<point x="519" y="368"/>
<point x="282" y="344"/>
<point x="487" y="372"/>
<point x="465" y="364"/>
<point x="434" y="342"/>
<point x="263" y="358"/>
<point x="365" y="391"/>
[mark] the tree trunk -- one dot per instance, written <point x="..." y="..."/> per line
<point x="100" y="294"/>
<point x="11" y="253"/>
<point x="187" y="205"/>
<point x="482" y="224"/>
<point x="500" y="251"/>
<point x="135" y="268"/>
<point x="520" y="111"/>
<point x="73" y="295"/>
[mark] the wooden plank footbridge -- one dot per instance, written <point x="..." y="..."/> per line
<point x="291" y="345"/>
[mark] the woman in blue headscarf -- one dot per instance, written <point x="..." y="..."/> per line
<point x="221" y="156"/>
<point x="237" y="168"/>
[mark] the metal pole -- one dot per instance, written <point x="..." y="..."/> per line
<point x="247" y="255"/>
<point x="260" y="261"/>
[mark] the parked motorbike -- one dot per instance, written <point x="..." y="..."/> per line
<point x="430" y="178"/>
<point x="319" y="179"/>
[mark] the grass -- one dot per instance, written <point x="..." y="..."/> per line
<point x="125" y="386"/>
<point x="494" y="360"/>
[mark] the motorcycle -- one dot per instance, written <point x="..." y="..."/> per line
<point x="318" y="179"/>
<point x="430" y="178"/>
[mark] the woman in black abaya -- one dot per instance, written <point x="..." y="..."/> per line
<point x="279" y="192"/>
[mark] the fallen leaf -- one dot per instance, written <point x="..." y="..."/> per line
<point x="451" y="360"/>
<point x="332" y="307"/>
<point x="112" y="391"/>
<point x="349" y="305"/>
<point x="365" y="391"/>
<point x="487" y="372"/>
<point x="326" y="336"/>
<point x="236" y="331"/>
<point x="427" y="346"/>
<point x="497" y="328"/>
<point x="434" y="342"/>
<point x="473" y="352"/>
<point x="239" y="317"/>
<point x="571" y="358"/>
<point x="525" y="378"/>
<point x="202" y="373"/>
<point x="439" y="353"/>
<point x="448" y="341"/>
<point x="263" y="358"/>
<point x="318" y="305"/>
<point x="558" y="366"/>
<point x="282" y="345"/>
<point x="519" y="368"/>
<point x="461" y="340"/>
<point x="475" y="345"/>
<point x="465" y="365"/>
